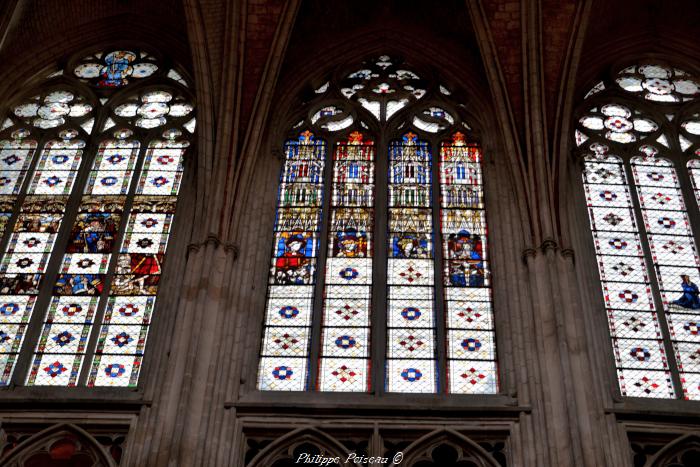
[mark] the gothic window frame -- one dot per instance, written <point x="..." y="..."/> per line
<point x="593" y="144"/>
<point x="168" y="76"/>
<point x="330" y="92"/>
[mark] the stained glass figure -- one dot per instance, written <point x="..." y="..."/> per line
<point x="115" y="69"/>
<point x="31" y="243"/>
<point x="691" y="295"/>
<point x="471" y="347"/>
<point x="290" y="293"/>
<point x="411" y="364"/>
<point x="345" y="332"/>
<point x="324" y="343"/>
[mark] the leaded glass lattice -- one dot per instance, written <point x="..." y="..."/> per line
<point x="637" y="341"/>
<point x="471" y="346"/>
<point x="411" y="351"/>
<point x="673" y="249"/>
<point x="649" y="272"/>
<point x="31" y="243"/>
<point x="345" y="332"/>
<point x="401" y="301"/>
<point x="82" y="273"/>
<point x="139" y="265"/>
<point x="61" y="261"/>
<point x="285" y="347"/>
<point x="16" y="155"/>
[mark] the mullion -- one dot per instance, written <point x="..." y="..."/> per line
<point x="438" y="267"/>
<point x="379" y="299"/>
<point x="321" y="257"/>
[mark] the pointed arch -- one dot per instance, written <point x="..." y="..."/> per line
<point x="400" y="263"/>
<point x="284" y="447"/>
<point x="424" y="449"/>
<point x="674" y="454"/>
<point x="644" y="219"/>
<point x="60" y="441"/>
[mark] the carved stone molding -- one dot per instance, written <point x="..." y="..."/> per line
<point x="387" y="444"/>
<point x="60" y="443"/>
<point x="547" y="245"/>
<point x="527" y="254"/>
<point x="216" y="242"/>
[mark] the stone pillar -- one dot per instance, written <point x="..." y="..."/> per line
<point x="171" y="432"/>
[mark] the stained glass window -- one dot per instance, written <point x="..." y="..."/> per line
<point x="139" y="264"/>
<point x="346" y="322"/>
<point x="16" y="155"/>
<point x="374" y="275"/>
<point x="86" y="232"/>
<point x="640" y="209"/>
<point x="411" y="349"/>
<point x="32" y="240"/>
<point x="285" y="348"/>
<point x="471" y="343"/>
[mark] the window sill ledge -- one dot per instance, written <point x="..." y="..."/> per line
<point x="47" y="398"/>
<point x="635" y="408"/>
<point x="492" y="406"/>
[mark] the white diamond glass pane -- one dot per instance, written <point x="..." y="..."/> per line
<point x="637" y="342"/>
